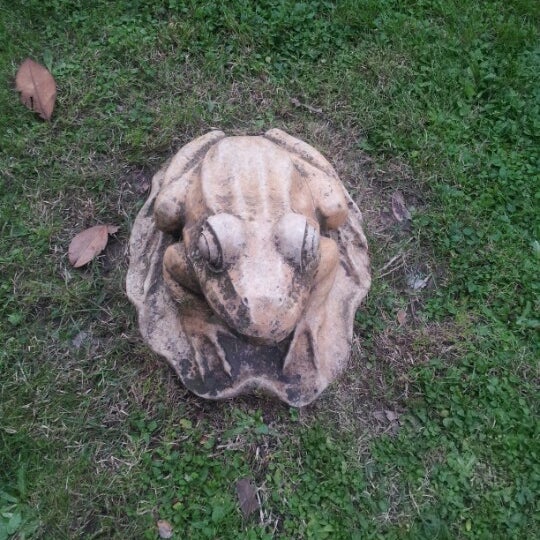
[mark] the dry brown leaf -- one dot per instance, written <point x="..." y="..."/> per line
<point x="89" y="243"/>
<point x="386" y="415"/>
<point x="79" y="339"/>
<point x="143" y="187"/>
<point x="417" y="281"/>
<point x="37" y="87"/>
<point x="391" y="415"/>
<point x="164" y="529"/>
<point x="398" y="207"/>
<point x="401" y="316"/>
<point x="247" y="495"/>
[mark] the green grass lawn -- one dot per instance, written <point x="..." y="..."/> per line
<point x="433" y="430"/>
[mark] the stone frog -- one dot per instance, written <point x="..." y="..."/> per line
<point x="250" y="214"/>
<point x="247" y="264"/>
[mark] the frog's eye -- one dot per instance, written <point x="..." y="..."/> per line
<point x="210" y="249"/>
<point x="221" y="240"/>
<point x="298" y="240"/>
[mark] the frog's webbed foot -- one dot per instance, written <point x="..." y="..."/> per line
<point x="303" y="350"/>
<point x="204" y="333"/>
<point x="207" y="350"/>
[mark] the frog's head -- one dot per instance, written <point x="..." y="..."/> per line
<point x="257" y="275"/>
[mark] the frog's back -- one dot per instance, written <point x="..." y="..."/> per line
<point x="249" y="177"/>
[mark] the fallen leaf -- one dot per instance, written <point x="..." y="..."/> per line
<point x="139" y="180"/>
<point x="89" y="243"/>
<point x="79" y="339"/>
<point x="401" y="316"/>
<point x="380" y="416"/>
<point x="37" y="87"/>
<point x="398" y="207"/>
<point x="391" y="416"/>
<point x="144" y="187"/>
<point x="164" y="529"/>
<point x="247" y="496"/>
<point x="417" y="281"/>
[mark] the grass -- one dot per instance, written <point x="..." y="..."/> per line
<point x="436" y="99"/>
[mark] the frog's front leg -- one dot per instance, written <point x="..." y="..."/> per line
<point x="178" y="275"/>
<point x="178" y="271"/>
<point x="305" y="343"/>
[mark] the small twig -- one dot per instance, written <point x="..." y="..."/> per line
<point x="261" y="513"/>
<point x="390" y="262"/>
<point x="314" y="110"/>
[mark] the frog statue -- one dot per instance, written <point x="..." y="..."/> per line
<point x="247" y="264"/>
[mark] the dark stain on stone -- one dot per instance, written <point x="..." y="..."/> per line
<point x="201" y="153"/>
<point x="234" y="312"/>
<point x="293" y="395"/>
<point x="247" y="359"/>
<point x="345" y="267"/>
<point x="150" y="210"/>
<point x="301" y="171"/>
<point x="177" y="234"/>
<point x="310" y="349"/>
<point x="157" y="283"/>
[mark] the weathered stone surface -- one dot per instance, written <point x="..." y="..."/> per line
<point x="247" y="264"/>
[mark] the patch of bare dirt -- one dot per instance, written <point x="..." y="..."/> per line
<point x="372" y="394"/>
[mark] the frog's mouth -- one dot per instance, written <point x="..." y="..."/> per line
<point x="271" y="323"/>
<point x="263" y="320"/>
<point x="266" y="318"/>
